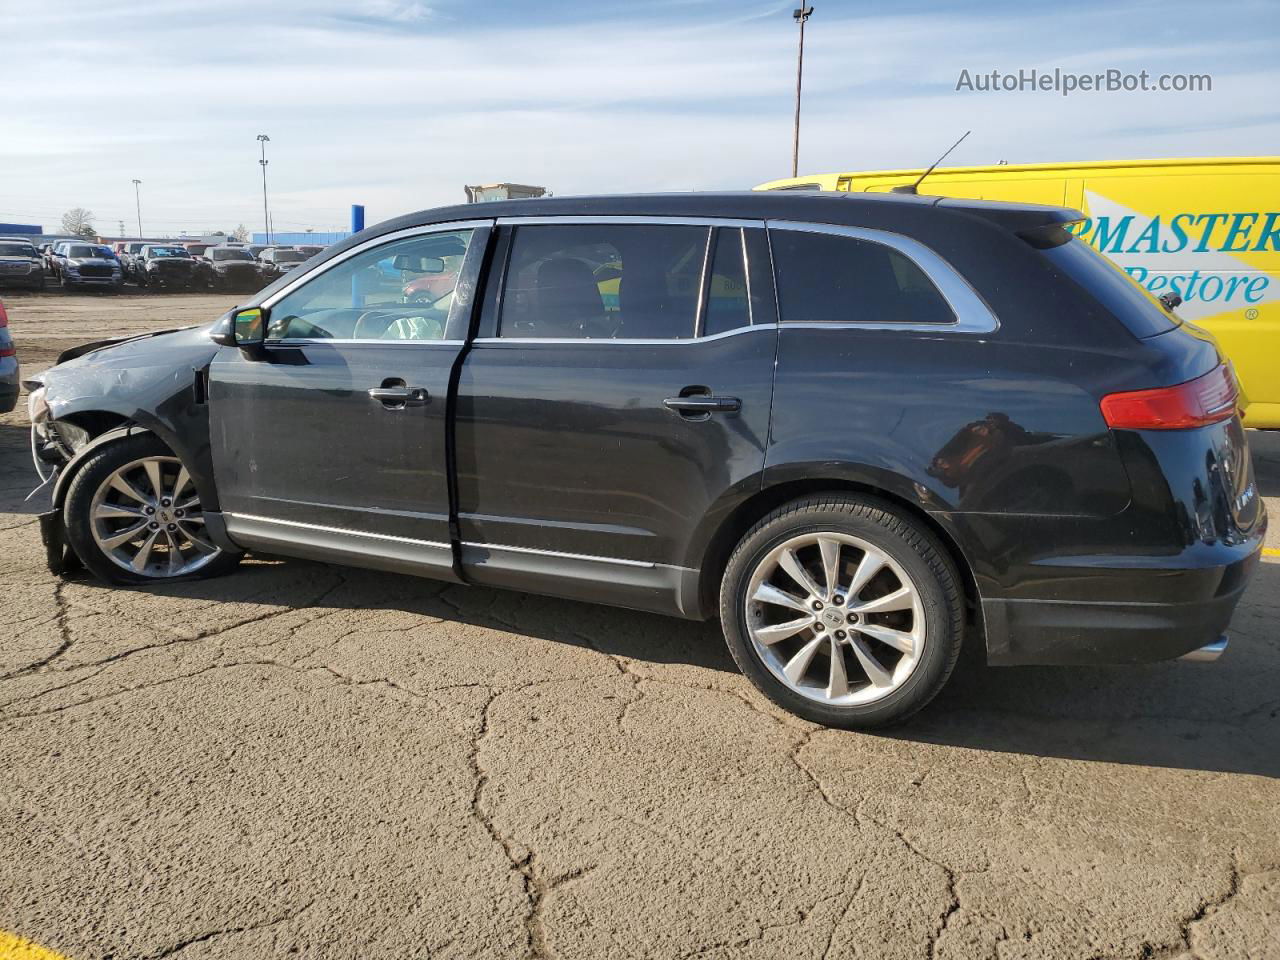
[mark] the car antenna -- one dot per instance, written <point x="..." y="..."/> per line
<point x="911" y="187"/>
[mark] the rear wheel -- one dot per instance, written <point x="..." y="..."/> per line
<point x="133" y="515"/>
<point x="843" y="611"/>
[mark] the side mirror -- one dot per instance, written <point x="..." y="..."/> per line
<point x="250" y="327"/>
<point x="245" y="329"/>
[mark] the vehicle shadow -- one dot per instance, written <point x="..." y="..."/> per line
<point x="17" y="474"/>
<point x="1219" y="717"/>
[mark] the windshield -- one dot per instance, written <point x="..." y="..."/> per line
<point x="17" y="250"/>
<point x="168" y="252"/>
<point x="233" y="253"/>
<point x="289" y="256"/>
<point x="82" y="251"/>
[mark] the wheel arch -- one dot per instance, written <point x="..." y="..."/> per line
<point x="749" y="512"/>
<point x="82" y="456"/>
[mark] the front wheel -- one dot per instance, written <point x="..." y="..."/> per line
<point x="843" y="611"/>
<point x="133" y="515"/>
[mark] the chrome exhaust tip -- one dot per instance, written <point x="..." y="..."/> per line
<point x="1208" y="653"/>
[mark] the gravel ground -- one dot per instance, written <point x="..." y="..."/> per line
<point x="309" y="760"/>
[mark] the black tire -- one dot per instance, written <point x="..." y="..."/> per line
<point x="76" y="513"/>
<point x="915" y="548"/>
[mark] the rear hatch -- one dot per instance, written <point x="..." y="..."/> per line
<point x="1184" y="429"/>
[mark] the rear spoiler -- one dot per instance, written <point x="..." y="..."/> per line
<point x="1041" y="226"/>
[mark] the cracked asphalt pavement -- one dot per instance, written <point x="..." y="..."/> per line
<point x="307" y="760"/>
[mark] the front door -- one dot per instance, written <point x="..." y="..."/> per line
<point x="330" y="442"/>
<point x="617" y="398"/>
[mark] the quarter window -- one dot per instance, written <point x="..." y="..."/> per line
<point x="610" y="280"/>
<point x="824" y="278"/>
<point x="399" y="291"/>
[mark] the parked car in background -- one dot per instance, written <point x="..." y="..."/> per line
<point x="128" y="253"/>
<point x="168" y="266"/>
<point x="256" y="249"/>
<point x="79" y="265"/>
<point x="858" y="430"/>
<point x="21" y="264"/>
<point x="10" y="372"/>
<point x="310" y="249"/>
<point x="235" y="269"/>
<point x="283" y="259"/>
<point x="198" y="249"/>
<point x="46" y="253"/>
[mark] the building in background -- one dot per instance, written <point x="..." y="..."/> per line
<point x="279" y="239"/>
<point x="502" y="191"/>
<point x="20" y="229"/>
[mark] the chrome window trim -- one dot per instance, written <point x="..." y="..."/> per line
<point x="617" y="561"/>
<point x="341" y="530"/>
<point x="971" y="311"/>
<point x="570" y="219"/>
<point x="589" y="341"/>
<point x="336" y="341"/>
<point x="746" y="276"/>
<point x="450" y="226"/>
<point x="622" y="219"/>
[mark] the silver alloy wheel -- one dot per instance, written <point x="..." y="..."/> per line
<point x="146" y="518"/>
<point x="835" y="618"/>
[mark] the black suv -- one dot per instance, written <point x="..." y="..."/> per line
<point x="235" y="269"/>
<point x="168" y="266"/>
<point x="855" y="428"/>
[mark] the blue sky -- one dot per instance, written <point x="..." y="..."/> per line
<point x="398" y="103"/>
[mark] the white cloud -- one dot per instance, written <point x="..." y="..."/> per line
<point x="397" y="103"/>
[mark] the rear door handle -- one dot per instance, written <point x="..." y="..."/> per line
<point x="703" y="404"/>
<point x="396" y="397"/>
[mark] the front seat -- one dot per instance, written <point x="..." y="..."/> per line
<point x="568" y="299"/>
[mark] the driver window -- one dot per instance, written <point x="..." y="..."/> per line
<point x="398" y="291"/>
<point x="609" y="280"/>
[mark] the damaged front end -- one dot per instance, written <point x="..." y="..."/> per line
<point x="54" y="444"/>
<point x="100" y="392"/>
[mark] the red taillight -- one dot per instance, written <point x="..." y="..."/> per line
<point x="1196" y="403"/>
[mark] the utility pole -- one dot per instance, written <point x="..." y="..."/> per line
<point x="137" y="199"/>
<point x="800" y="15"/>
<point x="263" y="140"/>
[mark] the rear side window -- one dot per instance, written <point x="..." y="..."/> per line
<point x="608" y="280"/>
<point x="1128" y="300"/>
<point x="824" y="278"/>
<point x="727" y="304"/>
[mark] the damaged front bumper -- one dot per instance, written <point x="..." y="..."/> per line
<point x="50" y="452"/>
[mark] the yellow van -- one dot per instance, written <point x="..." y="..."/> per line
<point x="1206" y="230"/>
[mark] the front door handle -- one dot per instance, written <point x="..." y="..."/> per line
<point x="396" y="398"/>
<point x="703" y="404"/>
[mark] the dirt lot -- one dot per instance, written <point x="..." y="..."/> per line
<point x="301" y="759"/>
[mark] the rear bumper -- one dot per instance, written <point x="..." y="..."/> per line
<point x="1152" y="626"/>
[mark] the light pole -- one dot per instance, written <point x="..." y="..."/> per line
<point x="137" y="199"/>
<point x="800" y="15"/>
<point x="263" y="140"/>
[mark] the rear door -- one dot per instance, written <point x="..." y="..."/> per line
<point x="615" y="403"/>
<point x="330" y="442"/>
